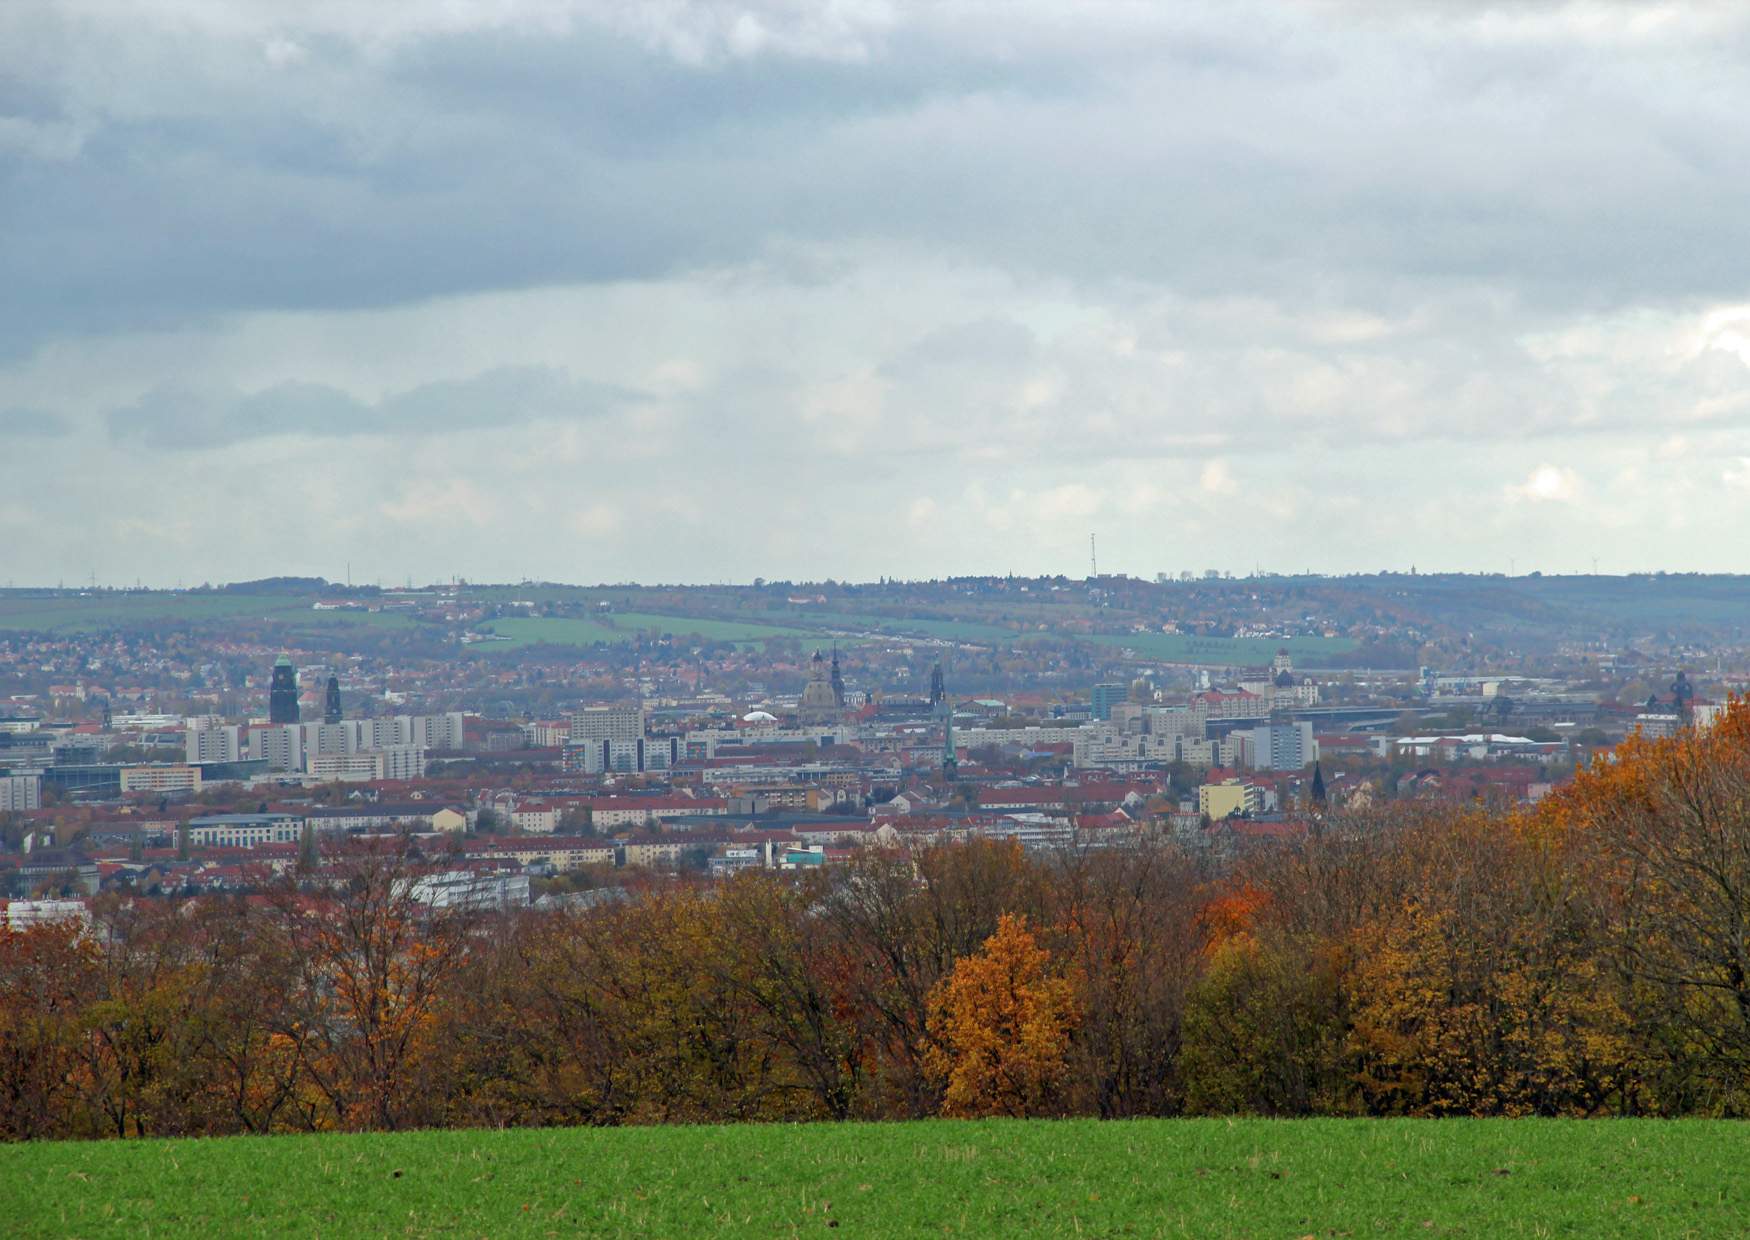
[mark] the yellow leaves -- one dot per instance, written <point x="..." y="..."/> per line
<point x="1001" y="1028"/>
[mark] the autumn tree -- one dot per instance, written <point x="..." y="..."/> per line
<point x="375" y="964"/>
<point x="1482" y="993"/>
<point x="1664" y="830"/>
<point x="1126" y="923"/>
<point x="1002" y="1025"/>
<point x="47" y="976"/>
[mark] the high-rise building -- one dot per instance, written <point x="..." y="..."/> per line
<point x="282" y="693"/>
<point x="607" y="723"/>
<point x="1105" y="697"/>
<point x="19" y="792"/>
<point x="328" y="738"/>
<point x="206" y="741"/>
<point x="647" y="753"/>
<point x="282" y="746"/>
<point x="1279" y="746"/>
<point x="331" y="707"/>
<point x="398" y="762"/>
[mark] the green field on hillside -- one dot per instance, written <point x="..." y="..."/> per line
<point x="79" y="613"/>
<point x="625" y="627"/>
<point x="905" y="626"/>
<point x="1224" y="651"/>
<point x="990" y="1178"/>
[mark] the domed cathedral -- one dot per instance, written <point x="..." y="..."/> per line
<point x="823" y="695"/>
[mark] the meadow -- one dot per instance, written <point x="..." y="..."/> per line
<point x="1223" y="651"/>
<point x="625" y="627"/>
<point x="82" y="613"/>
<point x="1208" y="1177"/>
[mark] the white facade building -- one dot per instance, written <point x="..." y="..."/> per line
<point x="281" y="744"/>
<point x="398" y="762"/>
<point x="244" y="830"/>
<point x="1278" y="746"/>
<point x="23" y="914"/>
<point x="20" y="792"/>
<point x="206" y="741"/>
<point x="471" y="890"/>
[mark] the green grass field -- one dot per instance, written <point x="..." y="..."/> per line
<point x="994" y="1178"/>
<point x="68" y="613"/>
<point x="903" y="626"/>
<point x="1223" y="651"/>
<point x="624" y="627"/>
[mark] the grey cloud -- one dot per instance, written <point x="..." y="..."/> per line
<point x="179" y="417"/>
<point x="986" y="342"/>
<point x="1280" y="151"/>
<point x="18" y="423"/>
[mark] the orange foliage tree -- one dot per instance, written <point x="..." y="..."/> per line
<point x="1002" y="1025"/>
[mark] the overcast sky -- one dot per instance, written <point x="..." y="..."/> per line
<point x="669" y="290"/>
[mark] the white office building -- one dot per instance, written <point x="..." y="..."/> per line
<point x="207" y="741"/>
<point x="243" y="830"/>
<point x="281" y="744"/>
<point x="329" y="738"/>
<point x="470" y="889"/>
<point x="399" y="762"/>
<point x="20" y="792"/>
<point x="607" y="723"/>
<point x="1278" y="746"/>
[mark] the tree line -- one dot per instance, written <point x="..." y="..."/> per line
<point x="1589" y="956"/>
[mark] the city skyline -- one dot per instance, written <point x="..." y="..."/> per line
<point x="702" y="292"/>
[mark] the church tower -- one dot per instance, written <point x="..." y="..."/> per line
<point x="282" y="693"/>
<point x="819" y="701"/>
<point x="331" y="705"/>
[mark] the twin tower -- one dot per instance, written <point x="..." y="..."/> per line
<point x="282" y="695"/>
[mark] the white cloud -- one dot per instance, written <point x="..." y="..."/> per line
<point x="1217" y="478"/>
<point x="1548" y="484"/>
<point x="597" y="520"/>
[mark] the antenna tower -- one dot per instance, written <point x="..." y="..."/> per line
<point x="1093" y="561"/>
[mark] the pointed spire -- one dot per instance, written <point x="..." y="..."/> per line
<point x="1318" y="785"/>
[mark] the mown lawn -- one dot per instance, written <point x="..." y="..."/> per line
<point x="997" y="1178"/>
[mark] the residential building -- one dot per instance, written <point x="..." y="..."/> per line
<point x="607" y="723"/>
<point x="1223" y="800"/>
<point x="168" y="777"/>
<point x="1277" y="746"/>
<point x="398" y="762"/>
<point x="1105" y="697"/>
<point x="206" y="741"/>
<point x="470" y="889"/>
<point x="535" y="819"/>
<point x="282" y="745"/>
<point x="20" y="792"/>
<point x="243" y="830"/>
<point x="23" y="914"/>
<point x="563" y="852"/>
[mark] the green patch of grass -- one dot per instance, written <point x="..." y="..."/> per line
<point x="618" y="627"/>
<point x="994" y="1178"/>
<point x="84" y="613"/>
<point x="1222" y="651"/>
<point x="904" y="626"/>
